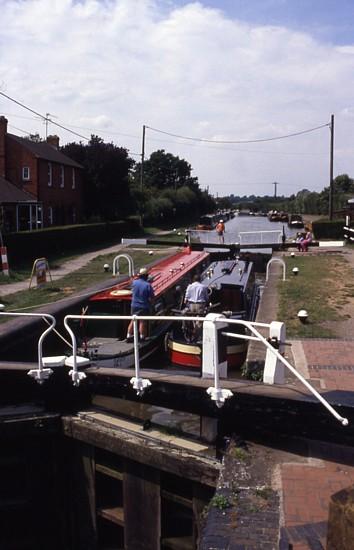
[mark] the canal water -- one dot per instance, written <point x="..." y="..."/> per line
<point x="245" y="229"/>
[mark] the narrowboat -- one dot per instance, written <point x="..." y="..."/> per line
<point x="230" y="285"/>
<point x="296" y="221"/>
<point x="207" y="222"/>
<point x="104" y="341"/>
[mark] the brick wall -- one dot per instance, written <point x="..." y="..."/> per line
<point x="18" y="157"/>
<point x="62" y="200"/>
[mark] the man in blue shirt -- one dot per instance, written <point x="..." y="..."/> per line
<point x="143" y="294"/>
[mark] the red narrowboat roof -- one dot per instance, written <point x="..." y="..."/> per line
<point x="162" y="275"/>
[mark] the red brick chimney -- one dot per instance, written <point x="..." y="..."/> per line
<point x="3" y="132"/>
<point x="53" y="141"/>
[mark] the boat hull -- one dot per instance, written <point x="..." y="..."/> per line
<point x="189" y="355"/>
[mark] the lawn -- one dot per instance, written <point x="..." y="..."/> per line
<point x="322" y="287"/>
<point x="77" y="281"/>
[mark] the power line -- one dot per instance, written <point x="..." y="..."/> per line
<point x="239" y="141"/>
<point x="45" y="118"/>
<point x="18" y="129"/>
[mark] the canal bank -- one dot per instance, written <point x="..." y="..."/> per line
<point x="285" y="502"/>
<point x="279" y="449"/>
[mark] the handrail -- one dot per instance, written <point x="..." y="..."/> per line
<point x="41" y="373"/>
<point x="257" y="233"/>
<point x="130" y="264"/>
<point x="279" y="260"/>
<point x="141" y="384"/>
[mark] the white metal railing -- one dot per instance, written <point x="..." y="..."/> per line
<point x="348" y="233"/>
<point x="217" y="394"/>
<point x="243" y="237"/>
<point x="130" y="264"/>
<point x="260" y="237"/>
<point x="41" y="373"/>
<point x="205" y="236"/>
<point x="276" y="260"/>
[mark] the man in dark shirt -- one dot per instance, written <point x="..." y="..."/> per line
<point x="143" y="294"/>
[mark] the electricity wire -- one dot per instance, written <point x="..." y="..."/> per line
<point x="240" y="140"/>
<point x="43" y="117"/>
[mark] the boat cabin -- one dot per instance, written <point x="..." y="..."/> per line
<point x="105" y="340"/>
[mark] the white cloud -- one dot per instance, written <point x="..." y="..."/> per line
<point x="118" y="64"/>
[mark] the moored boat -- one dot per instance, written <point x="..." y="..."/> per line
<point x="104" y="341"/>
<point x="230" y="285"/>
<point x="295" y="221"/>
<point x="207" y="222"/>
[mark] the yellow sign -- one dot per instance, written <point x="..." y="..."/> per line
<point x="39" y="270"/>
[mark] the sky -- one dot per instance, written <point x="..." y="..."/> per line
<point x="231" y="75"/>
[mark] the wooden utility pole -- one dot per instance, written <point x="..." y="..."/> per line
<point x="142" y="172"/>
<point x="331" y="127"/>
<point x="275" y="189"/>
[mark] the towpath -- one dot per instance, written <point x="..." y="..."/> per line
<point x="67" y="267"/>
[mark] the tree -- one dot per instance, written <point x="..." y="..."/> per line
<point x="168" y="189"/>
<point x="34" y="137"/>
<point x="163" y="170"/>
<point x="106" y="178"/>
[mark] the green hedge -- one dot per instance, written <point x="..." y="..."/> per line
<point x="326" y="229"/>
<point x="54" y="241"/>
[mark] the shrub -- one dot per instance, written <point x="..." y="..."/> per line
<point x="327" y="229"/>
<point x="53" y="241"/>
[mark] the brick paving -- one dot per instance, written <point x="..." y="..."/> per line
<point x="307" y="488"/>
<point x="306" y="492"/>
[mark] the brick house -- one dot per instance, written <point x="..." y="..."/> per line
<point x="50" y="181"/>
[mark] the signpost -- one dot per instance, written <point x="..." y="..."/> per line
<point x="39" y="270"/>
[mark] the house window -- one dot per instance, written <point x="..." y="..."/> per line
<point x="62" y="172"/>
<point x="73" y="179"/>
<point x="50" y="174"/>
<point x="26" y="173"/>
<point x="50" y="215"/>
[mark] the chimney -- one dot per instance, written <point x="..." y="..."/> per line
<point x="53" y="141"/>
<point x="3" y="132"/>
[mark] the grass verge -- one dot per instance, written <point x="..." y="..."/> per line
<point x="322" y="287"/>
<point x="75" y="282"/>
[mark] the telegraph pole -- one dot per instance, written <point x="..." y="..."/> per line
<point x="46" y="121"/>
<point x="142" y="172"/>
<point x="275" y="189"/>
<point x="331" y="127"/>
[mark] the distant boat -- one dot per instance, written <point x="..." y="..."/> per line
<point x="273" y="216"/>
<point x="295" y="221"/>
<point x="284" y="217"/>
<point x="207" y="222"/>
<point x="243" y="213"/>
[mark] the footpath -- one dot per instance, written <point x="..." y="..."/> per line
<point x="66" y="268"/>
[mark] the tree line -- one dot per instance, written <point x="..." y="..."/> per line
<point x="114" y="189"/>
<point x="303" y="202"/>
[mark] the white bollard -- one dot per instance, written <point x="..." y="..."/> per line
<point x="211" y="353"/>
<point x="274" y="369"/>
